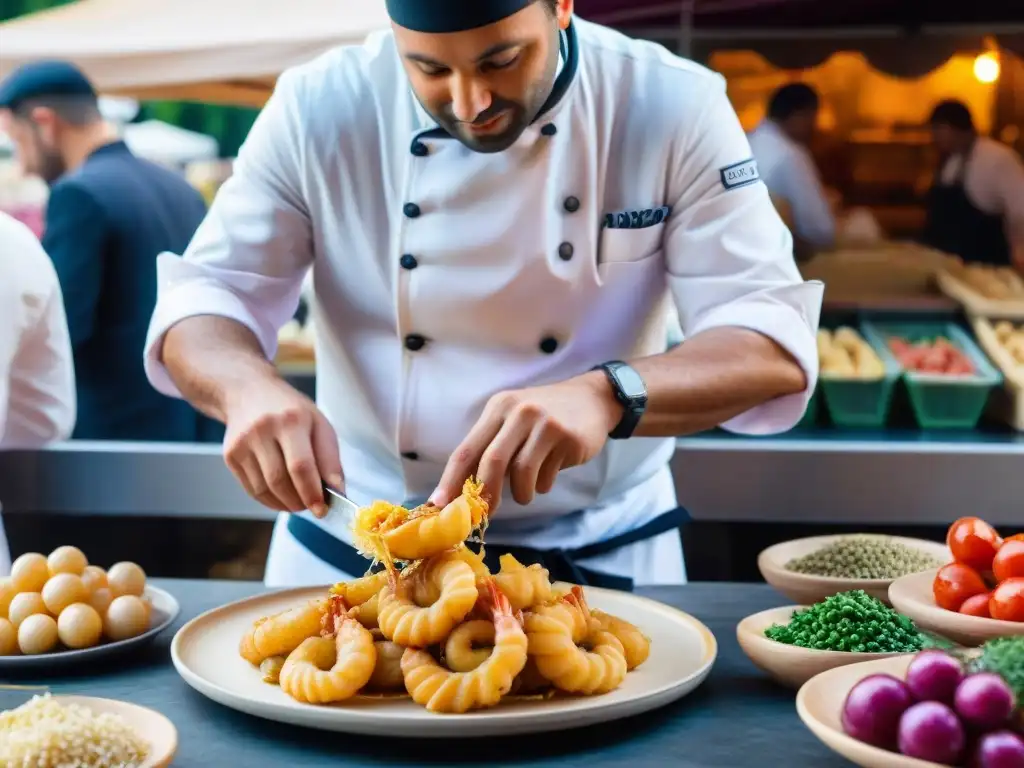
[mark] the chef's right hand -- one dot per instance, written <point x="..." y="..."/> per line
<point x="281" y="448"/>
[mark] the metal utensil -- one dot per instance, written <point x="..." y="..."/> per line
<point x="339" y="502"/>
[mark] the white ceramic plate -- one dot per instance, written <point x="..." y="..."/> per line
<point x="820" y="704"/>
<point x="913" y="597"/>
<point x="165" y="611"/>
<point x="205" y="653"/>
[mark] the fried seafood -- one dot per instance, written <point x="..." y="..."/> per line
<point x="388" y="532"/>
<point x="636" y="646"/>
<point x="441" y="690"/>
<point x="524" y="586"/>
<point x="328" y="669"/>
<point x="594" y="665"/>
<point x="404" y="622"/>
<point x="436" y="625"/>
<point x="280" y="634"/>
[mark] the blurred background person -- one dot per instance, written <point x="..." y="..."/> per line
<point x="781" y="145"/>
<point x="37" y="377"/>
<point x="108" y="215"/>
<point x="976" y="202"/>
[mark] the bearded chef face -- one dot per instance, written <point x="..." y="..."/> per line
<point x="486" y="85"/>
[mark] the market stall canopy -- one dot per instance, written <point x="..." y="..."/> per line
<point x="218" y="51"/>
<point x="168" y="144"/>
<point x="907" y="39"/>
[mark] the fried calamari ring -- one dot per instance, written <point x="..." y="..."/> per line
<point x="404" y="622"/>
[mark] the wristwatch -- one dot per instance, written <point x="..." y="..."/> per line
<point x="630" y="391"/>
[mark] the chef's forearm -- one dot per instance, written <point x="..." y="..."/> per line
<point x="213" y="360"/>
<point x="711" y="378"/>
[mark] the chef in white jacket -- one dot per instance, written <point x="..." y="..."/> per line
<point x="496" y="200"/>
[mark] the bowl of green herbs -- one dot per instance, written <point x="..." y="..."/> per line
<point x="809" y="570"/>
<point x="794" y="643"/>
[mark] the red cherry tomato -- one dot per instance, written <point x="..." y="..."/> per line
<point x="1009" y="561"/>
<point x="955" y="583"/>
<point x="973" y="542"/>
<point x="1007" y="601"/>
<point x="977" y="606"/>
<point x="1015" y="537"/>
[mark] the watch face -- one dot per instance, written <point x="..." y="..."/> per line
<point x="632" y="385"/>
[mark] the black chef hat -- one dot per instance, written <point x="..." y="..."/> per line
<point x="437" y="16"/>
<point x="43" y="78"/>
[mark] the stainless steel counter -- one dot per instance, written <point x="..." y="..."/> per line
<point x="882" y="478"/>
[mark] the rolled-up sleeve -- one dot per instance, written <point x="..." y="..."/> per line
<point x="249" y="256"/>
<point x="730" y="256"/>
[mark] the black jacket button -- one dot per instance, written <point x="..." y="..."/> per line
<point x="408" y="261"/>
<point x="565" y="251"/>
<point x="414" y="342"/>
<point x="410" y="455"/>
<point x="419" y="149"/>
<point x="411" y="210"/>
<point x="548" y="345"/>
<point x="549" y="130"/>
<point x="571" y="204"/>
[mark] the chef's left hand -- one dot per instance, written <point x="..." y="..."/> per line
<point x="530" y="435"/>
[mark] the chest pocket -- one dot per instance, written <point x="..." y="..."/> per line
<point x="629" y="246"/>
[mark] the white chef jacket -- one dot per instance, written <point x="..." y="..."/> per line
<point x="443" y="276"/>
<point x="789" y="171"/>
<point x="993" y="180"/>
<point x="37" y="374"/>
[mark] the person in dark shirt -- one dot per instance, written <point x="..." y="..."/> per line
<point x="109" y="215"/>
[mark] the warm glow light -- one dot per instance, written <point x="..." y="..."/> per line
<point x="986" y="68"/>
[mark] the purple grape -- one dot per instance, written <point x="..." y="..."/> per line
<point x="872" y="710"/>
<point x="932" y="731"/>
<point x="999" y="749"/>
<point x="934" y="676"/>
<point x="984" y="701"/>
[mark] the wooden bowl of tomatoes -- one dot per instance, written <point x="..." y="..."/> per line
<point x="976" y="597"/>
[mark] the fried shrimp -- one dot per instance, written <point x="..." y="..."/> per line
<point x="635" y="644"/>
<point x="367" y="613"/>
<point x="469" y="645"/>
<point x="324" y="669"/>
<point x="404" y="622"/>
<point x="387" y="672"/>
<point x="524" y="586"/>
<point x="362" y="590"/>
<point x="388" y="532"/>
<point x="440" y="690"/>
<point x="280" y="634"/>
<point x="597" y="667"/>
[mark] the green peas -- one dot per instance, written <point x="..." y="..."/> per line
<point x="850" y="621"/>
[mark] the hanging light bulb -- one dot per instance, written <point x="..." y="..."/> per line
<point x="986" y="68"/>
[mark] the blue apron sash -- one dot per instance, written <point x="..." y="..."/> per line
<point x="562" y="564"/>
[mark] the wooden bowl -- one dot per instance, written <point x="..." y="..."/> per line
<point x="912" y="596"/>
<point x="805" y="589"/>
<point x="791" y="665"/>
<point x="820" y="704"/>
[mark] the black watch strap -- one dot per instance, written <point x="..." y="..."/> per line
<point x="631" y="393"/>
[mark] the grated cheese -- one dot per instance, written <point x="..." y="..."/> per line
<point x="45" y="733"/>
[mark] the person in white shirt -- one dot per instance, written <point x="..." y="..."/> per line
<point x="497" y="201"/>
<point x="976" y="202"/>
<point x="781" y="146"/>
<point x="37" y="376"/>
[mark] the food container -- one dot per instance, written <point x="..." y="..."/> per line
<point x="952" y="283"/>
<point x="861" y="402"/>
<point x="941" y="401"/>
<point x="1007" y="403"/>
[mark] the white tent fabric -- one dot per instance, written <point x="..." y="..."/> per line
<point x="217" y="51"/>
<point x="168" y="144"/>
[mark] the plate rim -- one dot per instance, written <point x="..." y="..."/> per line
<point x="23" y="662"/>
<point x="969" y="624"/>
<point x="809" y="578"/>
<point x="485" y="723"/>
